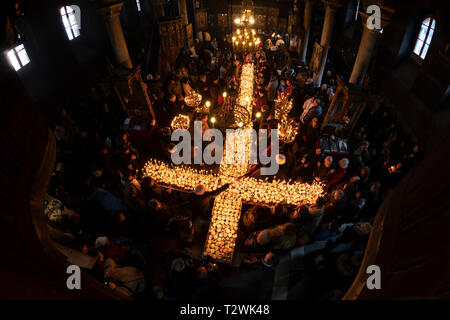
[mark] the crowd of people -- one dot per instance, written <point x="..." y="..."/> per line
<point x="142" y="236"/>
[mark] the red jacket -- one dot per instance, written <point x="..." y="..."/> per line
<point x="260" y="101"/>
<point x="338" y="176"/>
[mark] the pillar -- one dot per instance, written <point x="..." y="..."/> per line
<point x="190" y="6"/>
<point x="366" y="47"/>
<point x="158" y="8"/>
<point x="111" y="15"/>
<point x="327" y="32"/>
<point x="307" y="28"/>
<point x="183" y="11"/>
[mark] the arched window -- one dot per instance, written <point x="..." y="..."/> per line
<point x="138" y="4"/>
<point x="70" y="22"/>
<point x="357" y="9"/>
<point x="425" y="36"/>
<point x="18" y="57"/>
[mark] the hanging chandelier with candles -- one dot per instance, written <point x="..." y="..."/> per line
<point x="244" y="36"/>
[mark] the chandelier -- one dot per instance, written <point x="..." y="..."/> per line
<point x="246" y="19"/>
<point x="244" y="36"/>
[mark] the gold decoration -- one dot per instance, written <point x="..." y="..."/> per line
<point x="193" y="99"/>
<point x="180" y="122"/>
<point x="287" y="130"/>
<point x="282" y="107"/>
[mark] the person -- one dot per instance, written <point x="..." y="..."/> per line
<point x="200" y="200"/>
<point x="271" y="87"/>
<point x="288" y="90"/>
<point x="281" y="237"/>
<point x="304" y="171"/>
<point x="340" y="172"/>
<point x="203" y="87"/>
<point x="214" y="90"/>
<point x="171" y="105"/>
<point x="182" y="228"/>
<point x="361" y="156"/>
<point x="335" y="207"/>
<point x="97" y="179"/>
<point x="311" y="133"/>
<point x="350" y="187"/>
<point x="162" y="212"/>
<point x="256" y="218"/>
<point x="317" y="210"/>
<point x="109" y="248"/>
<point x="175" y="88"/>
<point x="187" y="89"/>
<point x="121" y="225"/>
<point x="364" y="177"/>
<point x="304" y="223"/>
<point x="280" y="214"/>
<point x="214" y="45"/>
<point x="372" y="196"/>
<point x="324" y="171"/>
<point x="307" y="106"/>
<point x="314" y="112"/>
<point x="223" y="71"/>
<point x="260" y="100"/>
<point x="318" y="156"/>
<point x="125" y="279"/>
<point x="281" y="88"/>
<point x="132" y="193"/>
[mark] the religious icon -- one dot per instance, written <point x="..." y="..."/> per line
<point x="316" y="58"/>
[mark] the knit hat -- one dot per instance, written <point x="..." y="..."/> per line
<point x="343" y="163"/>
<point x="101" y="242"/>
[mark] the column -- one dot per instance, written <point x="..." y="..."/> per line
<point x="307" y="28"/>
<point x="111" y="15"/>
<point x="366" y="47"/>
<point x="183" y="11"/>
<point x="190" y="5"/>
<point x="327" y="32"/>
<point x="158" y="8"/>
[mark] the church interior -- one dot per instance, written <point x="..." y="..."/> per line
<point x="350" y="101"/>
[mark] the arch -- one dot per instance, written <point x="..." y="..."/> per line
<point x="69" y="19"/>
<point x="424" y="37"/>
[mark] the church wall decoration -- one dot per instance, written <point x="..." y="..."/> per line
<point x="316" y="57"/>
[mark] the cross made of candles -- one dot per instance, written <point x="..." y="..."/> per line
<point x="227" y="207"/>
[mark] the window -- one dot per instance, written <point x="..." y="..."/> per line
<point x="425" y="36"/>
<point x="138" y="3"/>
<point x="357" y="9"/>
<point x="70" y="22"/>
<point x="18" y="57"/>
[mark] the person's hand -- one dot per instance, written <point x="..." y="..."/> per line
<point x="85" y="249"/>
<point x="100" y="258"/>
